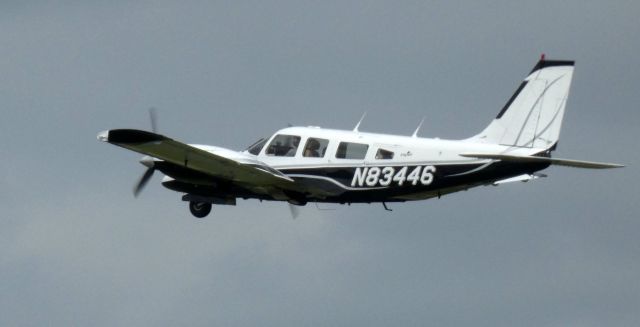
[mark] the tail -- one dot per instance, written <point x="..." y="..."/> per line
<point x="533" y="115"/>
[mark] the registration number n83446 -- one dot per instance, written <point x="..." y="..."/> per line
<point x="385" y="176"/>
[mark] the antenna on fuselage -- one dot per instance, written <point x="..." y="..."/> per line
<point x="415" y="133"/>
<point x="355" y="129"/>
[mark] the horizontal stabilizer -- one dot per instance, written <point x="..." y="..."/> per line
<point x="553" y="161"/>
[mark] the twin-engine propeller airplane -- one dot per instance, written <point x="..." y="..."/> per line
<point x="312" y="164"/>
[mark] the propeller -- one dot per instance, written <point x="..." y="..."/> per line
<point x="144" y="179"/>
<point x="146" y="160"/>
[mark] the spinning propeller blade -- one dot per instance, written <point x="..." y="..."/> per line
<point x="147" y="161"/>
<point x="143" y="181"/>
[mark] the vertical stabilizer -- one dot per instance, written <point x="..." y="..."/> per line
<point x="532" y="117"/>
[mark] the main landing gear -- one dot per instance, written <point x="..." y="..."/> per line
<point x="200" y="206"/>
<point x="199" y="209"/>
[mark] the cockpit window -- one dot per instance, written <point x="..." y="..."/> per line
<point x="347" y="150"/>
<point x="384" y="154"/>
<point x="283" y="146"/>
<point x="315" y="147"/>
<point x="257" y="146"/>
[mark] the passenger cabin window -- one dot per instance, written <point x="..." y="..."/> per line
<point x="283" y="146"/>
<point x="315" y="148"/>
<point x="347" y="150"/>
<point x="257" y="146"/>
<point x="384" y="154"/>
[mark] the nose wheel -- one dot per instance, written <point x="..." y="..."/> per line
<point x="199" y="209"/>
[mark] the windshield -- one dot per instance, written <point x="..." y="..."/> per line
<point x="257" y="146"/>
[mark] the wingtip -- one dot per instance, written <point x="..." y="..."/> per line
<point x="103" y="136"/>
<point x="129" y="136"/>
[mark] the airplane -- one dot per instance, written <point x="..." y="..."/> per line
<point x="303" y="165"/>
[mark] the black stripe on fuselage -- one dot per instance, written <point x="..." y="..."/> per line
<point x="447" y="178"/>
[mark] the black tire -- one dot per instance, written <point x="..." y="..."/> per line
<point x="199" y="209"/>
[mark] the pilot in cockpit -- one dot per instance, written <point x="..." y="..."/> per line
<point x="293" y="147"/>
<point x="311" y="150"/>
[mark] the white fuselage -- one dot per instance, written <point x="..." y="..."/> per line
<point x="406" y="149"/>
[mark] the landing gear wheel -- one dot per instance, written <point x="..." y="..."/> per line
<point x="199" y="209"/>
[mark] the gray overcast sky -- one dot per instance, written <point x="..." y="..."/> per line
<point x="77" y="249"/>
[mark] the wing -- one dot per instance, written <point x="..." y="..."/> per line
<point x="553" y="161"/>
<point x="252" y="174"/>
